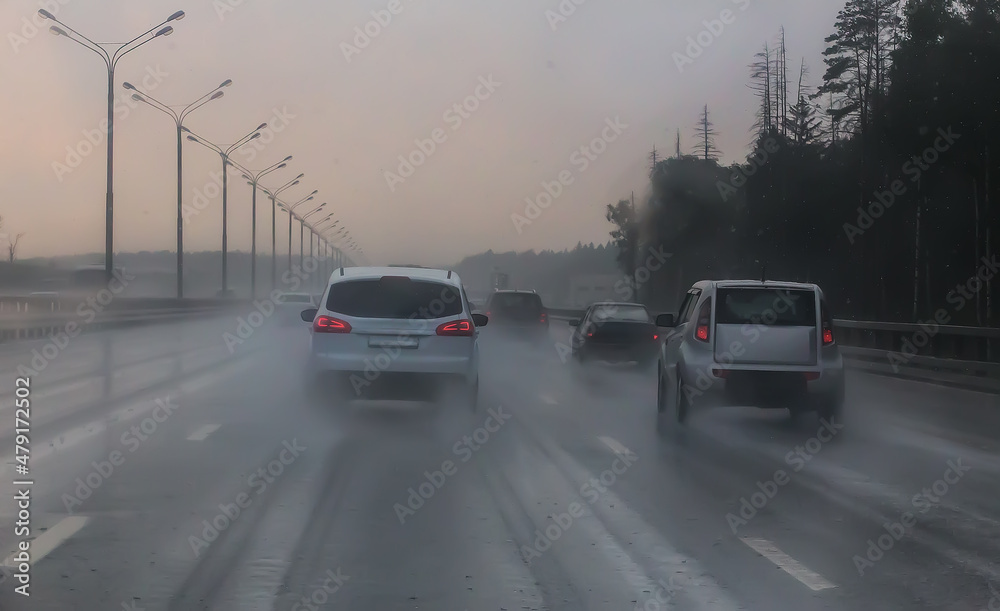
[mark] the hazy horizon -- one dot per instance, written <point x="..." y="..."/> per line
<point x="556" y="85"/>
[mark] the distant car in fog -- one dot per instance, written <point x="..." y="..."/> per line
<point x="617" y="332"/>
<point x="746" y="342"/>
<point x="411" y="323"/>
<point x="519" y="312"/>
<point x="290" y="307"/>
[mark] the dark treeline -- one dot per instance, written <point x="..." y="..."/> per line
<point x="877" y="182"/>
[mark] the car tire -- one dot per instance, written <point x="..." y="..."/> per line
<point x="661" y="396"/>
<point x="832" y="407"/>
<point x="682" y="407"/>
<point x="473" y="395"/>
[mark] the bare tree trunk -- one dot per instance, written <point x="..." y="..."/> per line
<point x="975" y="201"/>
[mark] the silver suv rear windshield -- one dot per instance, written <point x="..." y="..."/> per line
<point x="394" y="297"/>
<point x="779" y="307"/>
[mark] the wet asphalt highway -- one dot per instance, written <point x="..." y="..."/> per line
<point x="192" y="478"/>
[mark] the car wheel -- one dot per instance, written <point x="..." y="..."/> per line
<point x="473" y="396"/>
<point x="681" y="405"/>
<point x="661" y="397"/>
<point x="832" y="408"/>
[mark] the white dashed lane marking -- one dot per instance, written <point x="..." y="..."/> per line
<point x="765" y="548"/>
<point x="49" y="540"/>
<point x="202" y="433"/>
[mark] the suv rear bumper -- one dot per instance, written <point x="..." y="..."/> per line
<point x="404" y="362"/>
<point x="769" y="387"/>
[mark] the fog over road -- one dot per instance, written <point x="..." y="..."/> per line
<point x="193" y="478"/>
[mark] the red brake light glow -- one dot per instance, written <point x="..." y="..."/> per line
<point x="827" y="336"/>
<point x="543" y="318"/>
<point x="656" y="336"/>
<point x="458" y="328"/>
<point x="812" y="375"/>
<point x="328" y="324"/>
<point x="701" y="332"/>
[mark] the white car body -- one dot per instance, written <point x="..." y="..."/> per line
<point x="369" y="335"/>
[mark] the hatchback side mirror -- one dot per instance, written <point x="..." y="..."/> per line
<point x="309" y="315"/>
<point x="480" y="320"/>
<point x="666" y="320"/>
<point x="575" y="322"/>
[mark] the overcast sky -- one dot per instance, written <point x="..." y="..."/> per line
<point x="557" y="81"/>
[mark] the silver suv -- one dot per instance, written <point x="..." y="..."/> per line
<point x="745" y="342"/>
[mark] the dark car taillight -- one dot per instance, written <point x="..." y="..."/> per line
<point x="827" y="336"/>
<point x="329" y="324"/>
<point x="458" y="328"/>
<point x="543" y="318"/>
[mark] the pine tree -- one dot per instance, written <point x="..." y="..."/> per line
<point x="706" y="138"/>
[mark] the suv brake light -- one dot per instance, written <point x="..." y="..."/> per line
<point x="827" y="336"/>
<point x="701" y="332"/>
<point x="329" y="324"/>
<point x="458" y="328"/>
<point x="543" y="318"/>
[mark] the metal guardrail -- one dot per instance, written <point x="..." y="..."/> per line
<point x="948" y="354"/>
<point x="40" y="317"/>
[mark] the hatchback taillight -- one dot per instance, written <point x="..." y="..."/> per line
<point x="543" y="318"/>
<point x="458" y="328"/>
<point x="329" y="324"/>
<point x="701" y="331"/>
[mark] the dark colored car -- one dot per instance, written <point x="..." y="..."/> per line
<point x="615" y="332"/>
<point x="520" y="312"/>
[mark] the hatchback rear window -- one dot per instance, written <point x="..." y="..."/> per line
<point x="517" y="301"/>
<point x="777" y="307"/>
<point x="394" y="298"/>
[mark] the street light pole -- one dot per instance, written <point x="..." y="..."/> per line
<point x="274" y="234"/>
<point x="111" y="62"/>
<point x="179" y="117"/>
<point x="254" y="180"/>
<point x="224" y="154"/>
<point x="290" y="215"/>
